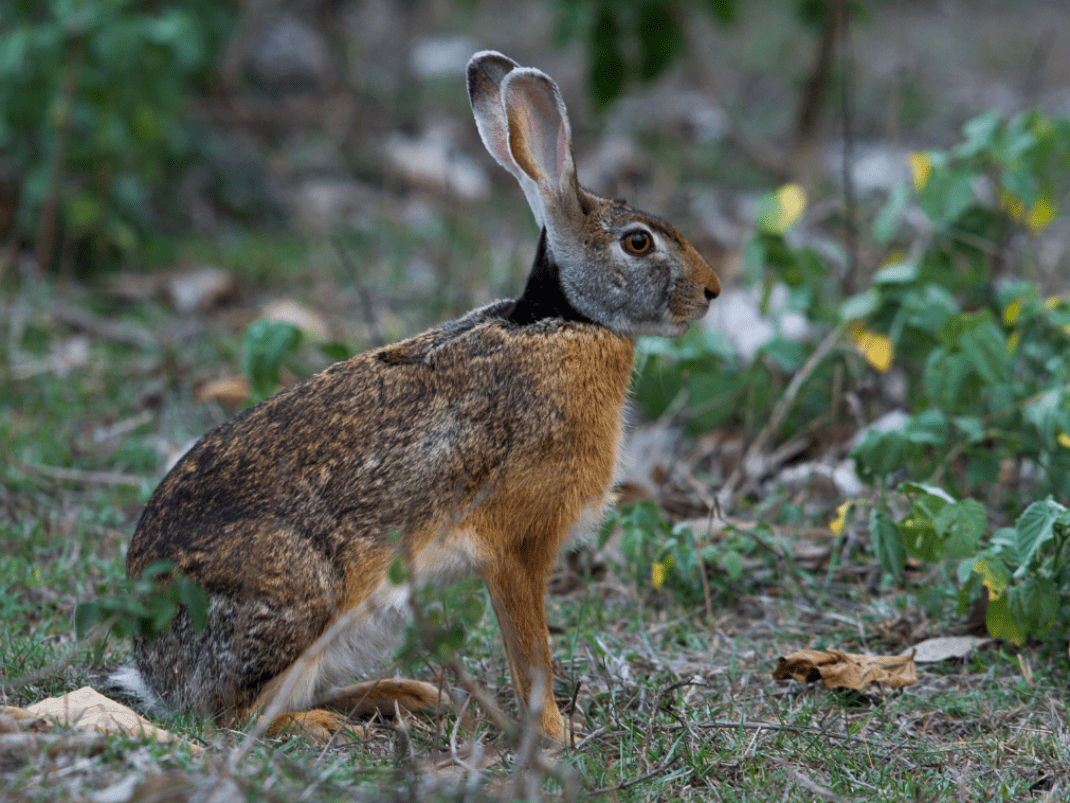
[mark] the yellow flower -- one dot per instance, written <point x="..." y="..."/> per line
<point x="875" y="347"/>
<point x="1064" y="440"/>
<point x="1013" y="341"/>
<point x="1040" y="216"/>
<point x="1013" y="204"/>
<point x="836" y="525"/>
<point x="657" y="575"/>
<point x="921" y="167"/>
<point x="1012" y="311"/>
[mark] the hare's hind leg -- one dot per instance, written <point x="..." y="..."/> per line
<point x="380" y="696"/>
<point x="317" y="726"/>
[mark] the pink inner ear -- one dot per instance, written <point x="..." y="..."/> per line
<point x="562" y="154"/>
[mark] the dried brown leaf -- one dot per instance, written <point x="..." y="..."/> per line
<point x="844" y="670"/>
<point x="89" y="710"/>
<point x="230" y="391"/>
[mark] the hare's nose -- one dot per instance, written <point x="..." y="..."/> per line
<point x="712" y="286"/>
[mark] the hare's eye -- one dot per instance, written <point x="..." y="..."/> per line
<point x="637" y="242"/>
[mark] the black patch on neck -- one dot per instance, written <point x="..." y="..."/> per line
<point x="543" y="296"/>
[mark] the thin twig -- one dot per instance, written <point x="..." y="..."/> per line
<point x="84" y="476"/>
<point x="850" y="214"/>
<point x="371" y="316"/>
<point x="753" y="466"/>
<point x="46" y="228"/>
<point x="661" y="769"/>
<point x="500" y="720"/>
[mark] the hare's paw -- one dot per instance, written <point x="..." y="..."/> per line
<point x="380" y="696"/>
<point x="319" y="727"/>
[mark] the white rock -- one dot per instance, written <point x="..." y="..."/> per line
<point x="737" y="314"/>
<point x="199" y="288"/>
<point x="845" y="478"/>
<point x="287" y="310"/>
<point x="320" y="204"/>
<point x="442" y="56"/>
<point x="434" y="163"/>
<point x="893" y="419"/>
<point x="290" y="54"/>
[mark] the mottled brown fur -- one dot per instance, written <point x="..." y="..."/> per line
<point x="475" y="447"/>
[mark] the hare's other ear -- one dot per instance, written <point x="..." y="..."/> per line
<point x="540" y="142"/>
<point x="523" y="124"/>
<point x="486" y="71"/>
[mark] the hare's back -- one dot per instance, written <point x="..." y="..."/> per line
<point x="404" y="439"/>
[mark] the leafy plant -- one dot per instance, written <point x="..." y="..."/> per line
<point x="91" y="123"/>
<point x="270" y="345"/>
<point x="631" y="41"/>
<point x="985" y="354"/>
<point x="145" y="606"/>
<point x="267" y="345"/>
<point x="1023" y="571"/>
<point x="659" y="554"/>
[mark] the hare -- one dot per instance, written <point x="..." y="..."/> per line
<point x="476" y="448"/>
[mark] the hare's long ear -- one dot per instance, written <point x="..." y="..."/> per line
<point x="486" y="71"/>
<point x="540" y="142"/>
<point x="524" y="125"/>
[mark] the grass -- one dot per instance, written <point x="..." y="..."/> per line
<point x="675" y="703"/>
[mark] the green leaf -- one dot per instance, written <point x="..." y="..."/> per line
<point x="267" y="344"/>
<point x="926" y="488"/>
<point x="732" y="563"/>
<point x="1035" y="527"/>
<point x="470" y="611"/>
<point x="928" y="428"/>
<point x="1044" y="414"/>
<point x="879" y="454"/>
<point x="1001" y="622"/>
<point x="335" y="350"/>
<point x="897" y="273"/>
<point x="195" y="599"/>
<point x="789" y="355"/>
<point x="985" y="346"/>
<point x="947" y="195"/>
<point x="859" y="306"/>
<point x="887" y="543"/>
<point x="398" y="573"/>
<point x="961" y="525"/>
<point x="1037" y="601"/>
<point x="607" y="70"/>
<point x="724" y="11"/>
<point x="970" y="426"/>
<point x="980" y="133"/>
<point x="887" y="221"/>
<point x="661" y="39"/>
<point x="86" y="614"/>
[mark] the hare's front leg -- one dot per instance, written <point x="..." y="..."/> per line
<point x="518" y="594"/>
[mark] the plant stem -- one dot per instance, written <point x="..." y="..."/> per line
<point x="46" y="230"/>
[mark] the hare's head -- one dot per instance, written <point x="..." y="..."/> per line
<point x="619" y="267"/>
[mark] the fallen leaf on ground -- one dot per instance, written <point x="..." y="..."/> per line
<point x="847" y="670"/>
<point x="228" y="390"/>
<point x="199" y="288"/>
<point x="940" y="649"/>
<point x="304" y="318"/>
<point x="88" y="710"/>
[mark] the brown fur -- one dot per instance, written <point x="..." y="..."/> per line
<point x="475" y="447"/>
